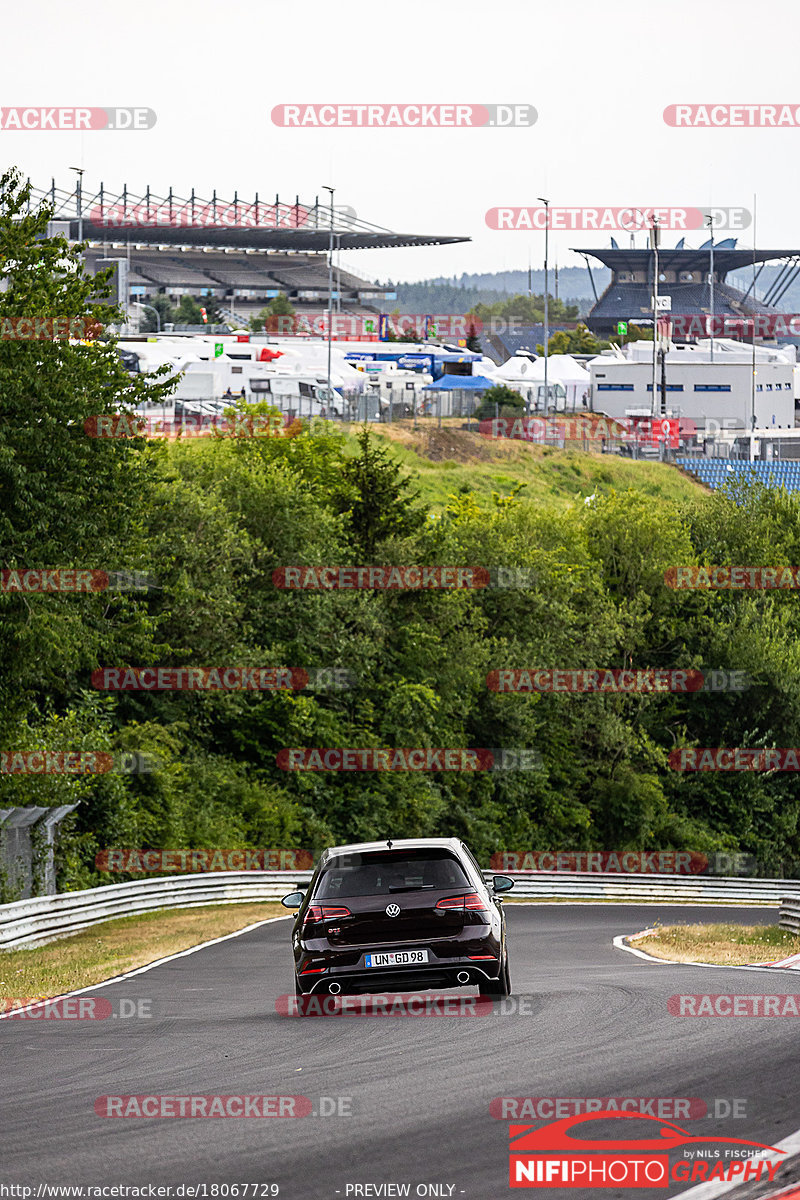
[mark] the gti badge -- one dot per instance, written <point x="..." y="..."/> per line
<point x="393" y="910"/>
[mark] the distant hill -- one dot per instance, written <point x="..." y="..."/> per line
<point x="459" y="294"/>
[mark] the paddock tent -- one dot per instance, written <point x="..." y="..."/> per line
<point x="460" y="383"/>
<point x="454" y="395"/>
<point x="524" y="371"/>
<point x="575" y="378"/>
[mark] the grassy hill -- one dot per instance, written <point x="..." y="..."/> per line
<point x="451" y="460"/>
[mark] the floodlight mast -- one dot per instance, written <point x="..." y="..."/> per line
<point x="655" y="237"/>
<point x="79" y="199"/>
<point x="546" y="204"/>
<point x="710" y="220"/>
<point x="330" y="291"/>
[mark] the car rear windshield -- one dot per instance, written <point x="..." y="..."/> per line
<point x="385" y="872"/>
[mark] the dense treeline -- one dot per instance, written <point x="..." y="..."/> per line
<point x="210" y="520"/>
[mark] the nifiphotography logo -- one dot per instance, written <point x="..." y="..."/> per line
<point x="549" y="1157"/>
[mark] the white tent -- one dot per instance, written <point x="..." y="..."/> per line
<point x="575" y="378"/>
<point x="304" y="357"/>
<point x="484" y="366"/>
<point x="526" y="374"/>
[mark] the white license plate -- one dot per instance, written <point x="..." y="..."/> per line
<point x="396" y="958"/>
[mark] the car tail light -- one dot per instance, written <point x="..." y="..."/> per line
<point x="481" y="956"/>
<point x="313" y="970"/>
<point x="472" y="901"/>
<point x="324" y="912"/>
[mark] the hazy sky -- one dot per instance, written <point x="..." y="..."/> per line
<point x="599" y="75"/>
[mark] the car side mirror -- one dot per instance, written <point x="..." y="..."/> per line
<point x="502" y="883"/>
<point x="293" y="900"/>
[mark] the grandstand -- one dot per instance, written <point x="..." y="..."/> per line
<point x="243" y="253"/>
<point x="684" y="278"/>
<point x="717" y="472"/>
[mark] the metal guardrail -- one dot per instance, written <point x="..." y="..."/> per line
<point x="678" y="889"/>
<point x="45" y="918"/>
<point x="789" y="916"/>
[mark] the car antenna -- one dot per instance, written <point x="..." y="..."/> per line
<point x="389" y="843"/>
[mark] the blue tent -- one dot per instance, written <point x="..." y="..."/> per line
<point x="465" y="383"/>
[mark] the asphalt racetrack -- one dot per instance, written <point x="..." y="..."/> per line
<point x="594" y="1023"/>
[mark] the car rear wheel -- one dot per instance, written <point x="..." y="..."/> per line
<point x="500" y="986"/>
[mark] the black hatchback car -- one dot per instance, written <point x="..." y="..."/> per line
<point x="399" y="916"/>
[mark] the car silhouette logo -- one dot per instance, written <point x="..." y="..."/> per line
<point x="393" y="910"/>
<point x="554" y="1137"/>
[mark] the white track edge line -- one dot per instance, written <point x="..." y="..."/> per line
<point x="620" y="940"/>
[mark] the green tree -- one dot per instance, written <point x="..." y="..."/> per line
<point x="574" y="341"/>
<point x="66" y="498"/>
<point x="473" y="341"/>
<point x="377" y="498"/>
<point x="279" y="306"/>
<point x="527" y="310"/>
<point x="636" y="333"/>
<point x="213" y="311"/>
<point x="188" y="312"/>
<point x="164" y="309"/>
<point x="502" y="399"/>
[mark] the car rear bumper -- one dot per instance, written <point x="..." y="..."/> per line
<point x="450" y="973"/>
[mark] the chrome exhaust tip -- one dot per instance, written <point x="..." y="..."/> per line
<point x="334" y="988"/>
<point x="463" y="976"/>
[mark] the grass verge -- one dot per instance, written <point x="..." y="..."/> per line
<point x="726" y="945"/>
<point x="120" y="945"/>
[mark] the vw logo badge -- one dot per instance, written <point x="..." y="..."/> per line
<point x="393" y="910"/>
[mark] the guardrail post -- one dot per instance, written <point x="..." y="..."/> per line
<point x="27" y="842"/>
<point x="789" y="914"/>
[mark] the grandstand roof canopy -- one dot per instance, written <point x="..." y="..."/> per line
<point x="257" y="239"/>
<point x="239" y="223"/>
<point x="641" y="258"/>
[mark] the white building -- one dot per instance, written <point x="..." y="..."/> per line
<point x="713" y="395"/>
